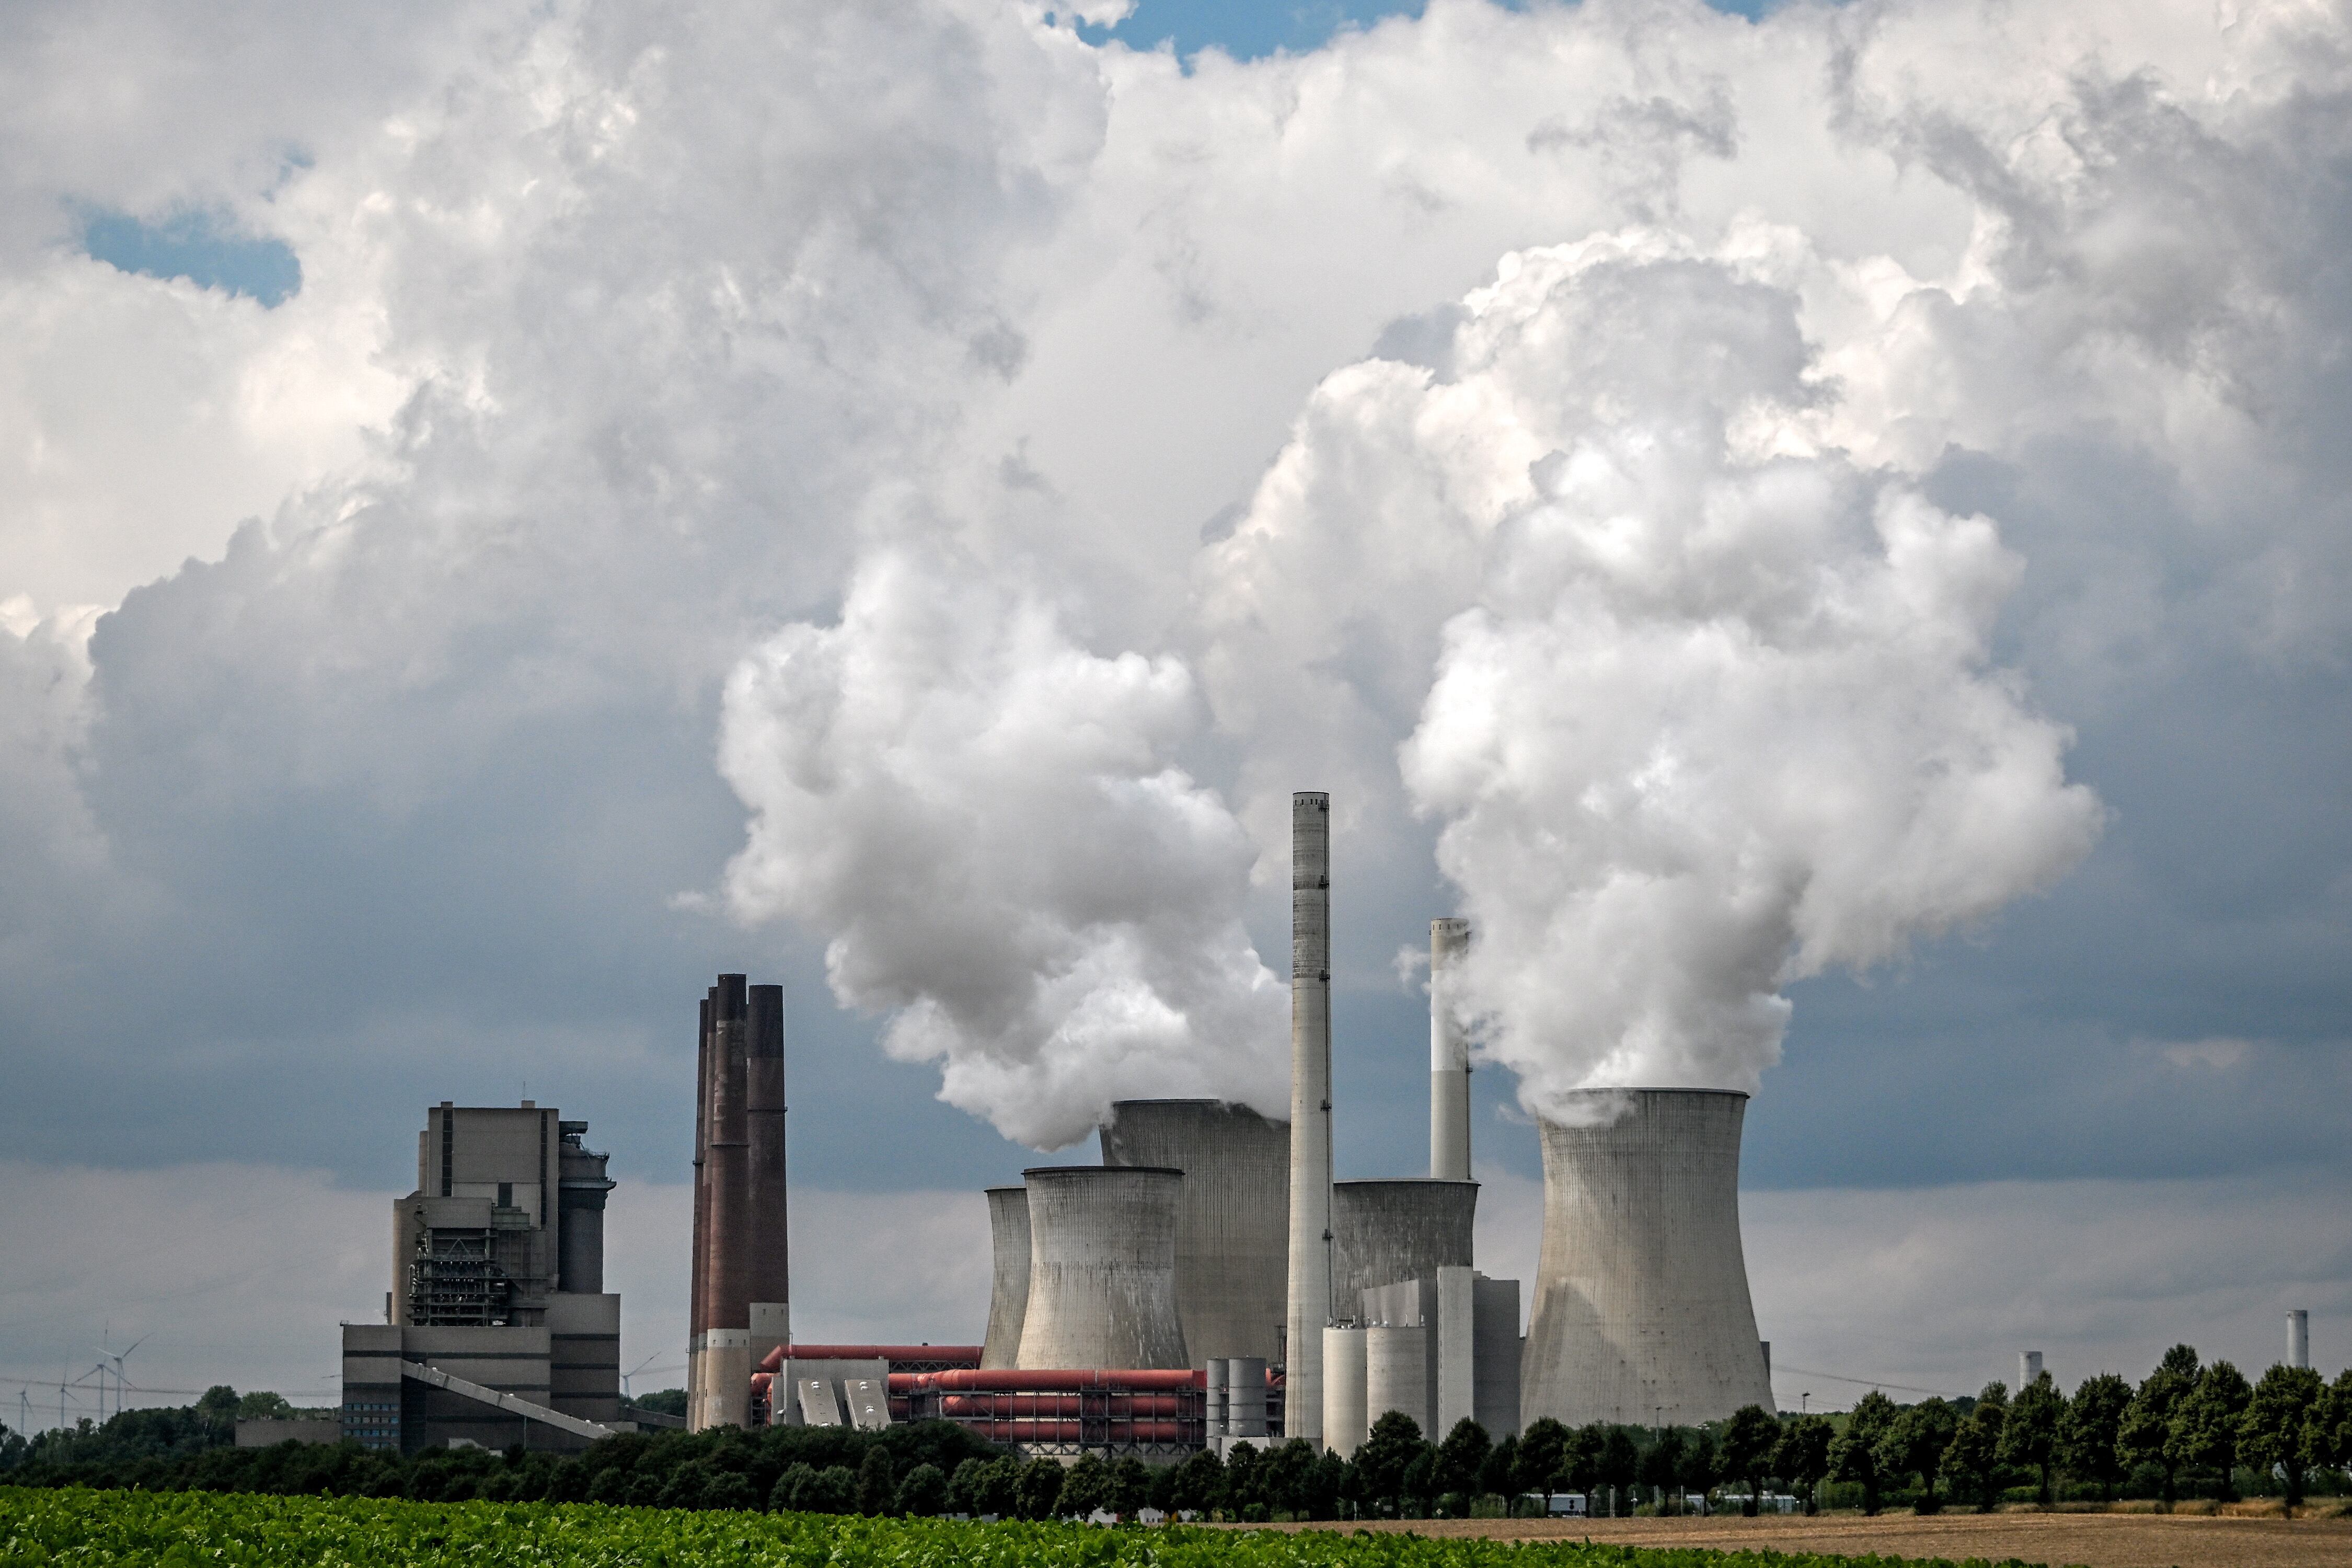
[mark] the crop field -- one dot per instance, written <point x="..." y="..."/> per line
<point x="70" y="1526"/>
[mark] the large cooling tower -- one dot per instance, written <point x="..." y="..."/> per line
<point x="1008" y="1296"/>
<point x="1641" y="1312"/>
<point x="1102" y="1269"/>
<point x="1386" y="1231"/>
<point x="1233" y="1222"/>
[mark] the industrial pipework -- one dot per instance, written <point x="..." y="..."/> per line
<point x="1309" y="1306"/>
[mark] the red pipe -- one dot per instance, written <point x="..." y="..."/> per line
<point x="1073" y="1431"/>
<point x="776" y="1358"/>
<point x="1017" y="1380"/>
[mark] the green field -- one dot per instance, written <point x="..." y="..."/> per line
<point x="198" y="1530"/>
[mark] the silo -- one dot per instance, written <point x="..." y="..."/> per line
<point x="1344" y="1423"/>
<point x="1008" y="1296"/>
<point x="1245" y="1402"/>
<point x="1449" y="1056"/>
<point x="2298" y="1337"/>
<point x="1391" y="1229"/>
<point x="1232" y="1222"/>
<point x="1641" y="1312"/>
<point x="1396" y="1374"/>
<point x="1102" y="1269"/>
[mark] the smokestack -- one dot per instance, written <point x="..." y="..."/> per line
<point x="1102" y="1269"/>
<point x="1642" y="1311"/>
<point x="2298" y="1337"/>
<point x="1309" y="1306"/>
<point x="1449" y="1058"/>
<point x="727" y="1342"/>
<point x="768" y="1268"/>
<point x="2029" y="1369"/>
<point x="1008" y="1296"/>
<point x="697" y="1308"/>
<point x="1231" y="1223"/>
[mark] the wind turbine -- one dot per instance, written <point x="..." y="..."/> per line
<point x="632" y="1373"/>
<point x="117" y="1357"/>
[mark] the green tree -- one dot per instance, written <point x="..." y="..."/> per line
<point x="2270" y="1432"/>
<point x="2327" y="1430"/>
<point x="1661" y="1465"/>
<point x="1392" y="1445"/>
<point x="2144" y="1435"/>
<point x="2205" y="1423"/>
<point x="1327" y="1485"/>
<point x="1915" y="1442"/>
<point x="1749" y="1440"/>
<point x="1853" y="1455"/>
<point x="1041" y="1488"/>
<point x="1283" y="1476"/>
<point x="1616" y="1463"/>
<point x="1972" y="1460"/>
<point x="1086" y="1486"/>
<point x="1131" y="1486"/>
<point x="1199" y="1482"/>
<point x="877" y="1488"/>
<point x="1461" y="1456"/>
<point x="1802" y="1458"/>
<point x="2029" y="1437"/>
<point x="2090" y="1432"/>
<point x="1498" y="1475"/>
<point x="1541" y="1456"/>
<point x="923" y="1493"/>
<point x="1241" y="1481"/>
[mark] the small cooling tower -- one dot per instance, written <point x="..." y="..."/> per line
<point x="1102" y="1269"/>
<point x="1391" y="1229"/>
<point x="1008" y="1296"/>
<point x="1642" y="1314"/>
<point x="1233" y="1232"/>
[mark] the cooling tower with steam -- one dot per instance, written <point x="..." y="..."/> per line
<point x="1641" y="1312"/>
<point x="1232" y="1216"/>
<point x="1102" y="1269"/>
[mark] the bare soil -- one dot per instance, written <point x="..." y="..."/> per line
<point x="2093" y="1539"/>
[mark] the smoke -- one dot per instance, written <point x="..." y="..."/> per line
<point x="983" y="816"/>
<point x="1707" y="707"/>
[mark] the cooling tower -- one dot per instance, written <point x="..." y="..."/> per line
<point x="1310" y="1300"/>
<point x="1008" y="1296"/>
<point x="1449" y="1058"/>
<point x="1102" y="1269"/>
<point x="1231" y="1223"/>
<point x="1641" y="1312"/>
<point x="1392" y="1229"/>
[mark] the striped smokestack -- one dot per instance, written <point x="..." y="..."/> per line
<point x="726" y="1390"/>
<point x="696" y="1320"/>
<point x="1309" y="1306"/>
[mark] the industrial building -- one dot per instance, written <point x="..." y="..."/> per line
<point x="1209" y="1282"/>
<point x="498" y="1330"/>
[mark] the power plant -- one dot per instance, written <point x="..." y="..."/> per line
<point x="1207" y="1282"/>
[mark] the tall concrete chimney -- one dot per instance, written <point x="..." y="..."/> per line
<point x="1102" y="1269"/>
<point x="697" y="1303"/>
<point x="768" y="1268"/>
<point x="2029" y="1369"/>
<point x="1008" y="1296"/>
<point x="1309" y="1306"/>
<point x="1233" y="1228"/>
<point x="726" y="1341"/>
<point x="1449" y="1058"/>
<point x="2298" y="1337"/>
<point x="1642" y="1311"/>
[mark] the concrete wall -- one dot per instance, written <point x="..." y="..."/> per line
<point x="1641" y="1312"/>
<point x="1233" y="1233"/>
<point x="1396" y="1374"/>
<point x="1102" y="1269"/>
<point x="1495" y="1374"/>
<point x="1008" y="1295"/>
<point x="1402" y="1229"/>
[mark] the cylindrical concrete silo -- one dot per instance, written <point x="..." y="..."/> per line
<point x="1008" y="1296"/>
<point x="1641" y="1312"/>
<point x="2298" y="1337"/>
<point x="1449" y="1056"/>
<point x="1391" y="1230"/>
<point x="1396" y="1374"/>
<point x="1233" y="1232"/>
<point x="1344" y="1423"/>
<point x="1102" y="1269"/>
<point x="1245" y="1402"/>
<point x="1308" y="1305"/>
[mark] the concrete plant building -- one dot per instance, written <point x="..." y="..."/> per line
<point x="498" y="1329"/>
<point x="1641" y="1314"/>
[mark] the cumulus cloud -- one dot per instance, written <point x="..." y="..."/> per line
<point x="983" y="819"/>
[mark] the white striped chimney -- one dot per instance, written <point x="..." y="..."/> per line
<point x="1449" y="1058"/>
<point x="1309" y="1306"/>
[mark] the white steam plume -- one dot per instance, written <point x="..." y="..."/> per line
<point x="983" y="816"/>
<point x="1705" y="708"/>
